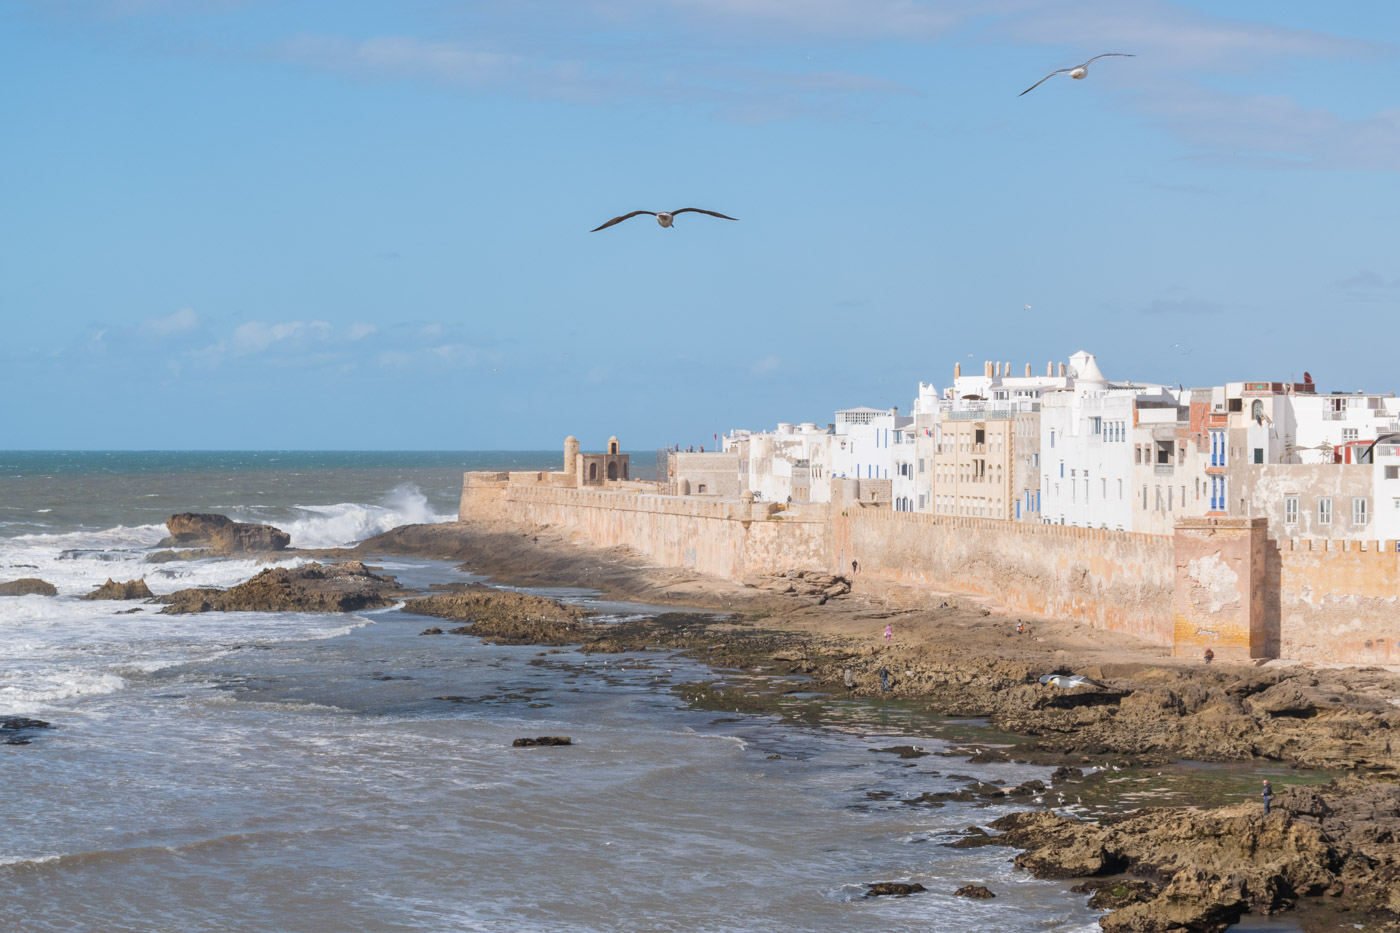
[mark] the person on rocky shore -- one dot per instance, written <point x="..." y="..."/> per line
<point x="1267" y="794"/>
<point x="889" y="632"/>
<point x="1210" y="655"/>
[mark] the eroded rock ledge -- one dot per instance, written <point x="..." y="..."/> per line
<point x="1201" y="870"/>
<point x="347" y="587"/>
<point x="505" y="616"/>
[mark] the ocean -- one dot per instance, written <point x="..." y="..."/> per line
<point x="298" y="772"/>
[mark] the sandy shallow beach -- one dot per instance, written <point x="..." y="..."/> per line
<point x="1327" y="855"/>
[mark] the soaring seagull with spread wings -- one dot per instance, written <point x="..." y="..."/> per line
<point x="1077" y="72"/>
<point x="664" y="218"/>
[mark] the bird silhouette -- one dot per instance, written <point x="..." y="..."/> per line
<point x="1077" y="72"/>
<point x="664" y="218"/>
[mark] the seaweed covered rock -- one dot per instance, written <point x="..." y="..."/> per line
<point x="504" y="616"/>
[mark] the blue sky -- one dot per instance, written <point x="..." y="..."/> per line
<point x="240" y="224"/>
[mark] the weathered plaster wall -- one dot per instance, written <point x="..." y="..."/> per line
<point x="1112" y="580"/>
<point x="1337" y="600"/>
<point x="1219" y="599"/>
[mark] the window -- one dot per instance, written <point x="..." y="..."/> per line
<point x="701" y="489"/>
<point x="1358" y="510"/>
<point x="1290" y="510"/>
<point x="1236" y="404"/>
<point x="1256" y="410"/>
<point x="1062" y="469"/>
<point x="1258" y="455"/>
<point x="1035" y="461"/>
<point x="1120" y="490"/>
<point x="1392" y="472"/>
<point x="1324" y="510"/>
<point x="921" y="469"/>
<point x="1052" y="437"/>
<point x="1349" y="434"/>
<point x="1096" y="425"/>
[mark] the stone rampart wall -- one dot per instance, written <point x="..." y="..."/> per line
<point x="1307" y="600"/>
<point x="730" y="539"/>
<point x="1112" y="580"/>
<point x="1337" y="600"/>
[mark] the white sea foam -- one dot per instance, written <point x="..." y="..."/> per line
<point x="349" y="522"/>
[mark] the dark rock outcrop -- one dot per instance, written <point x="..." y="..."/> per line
<point x="131" y="589"/>
<point x="542" y="740"/>
<point x="222" y="534"/>
<point x="974" y="891"/>
<point x="893" y="889"/>
<point x="14" y="730"/>
<point x="504" y="616"/>
<point x="28" y="586"/>
<point x="347" y="587"/>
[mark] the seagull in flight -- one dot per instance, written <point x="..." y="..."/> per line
<point x="1068" y="681"/>
<point x="664" y="218"/>
<point x="1077" y="72"/>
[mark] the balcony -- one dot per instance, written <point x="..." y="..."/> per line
<point x="1163" y="469"/>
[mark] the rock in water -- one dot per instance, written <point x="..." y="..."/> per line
<point x="131" y="589"/>
<point x="974" y="890"/>
<point x="222" y="534"/>
<point x="13" y="729"/>
<point x="893" y="889"/>
<point x="28" y="586"/>
<point x="503" y="616"/>
<point x="347" y="587"/>
<point x="543" y="740"/>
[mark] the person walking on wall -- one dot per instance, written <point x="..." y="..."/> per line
<point x="1267" y="794"/>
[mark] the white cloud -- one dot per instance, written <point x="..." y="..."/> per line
<point x="256" y="336"/>
<point x="766" y="366"/>
<point x="359" y="330"/>
<point x="179" y="322"/>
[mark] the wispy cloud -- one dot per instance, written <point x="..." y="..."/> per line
<point x="179" y="322"/>
<point x="1367" y="279"/>
<point x="766" y="366"/>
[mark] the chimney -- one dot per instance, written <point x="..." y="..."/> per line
<point x="1028" y="370"/>
<point x="996" y="371"/>
<point x="957" y="370"/>
<point x="1006" y="368"/>
<point x="1049" y="370"/>
<point x="987" y="368"/>
<point x="1062" y="370"/>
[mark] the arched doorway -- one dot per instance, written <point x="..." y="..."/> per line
<point x="612" y="470"/>
<point x="593" y="472"/>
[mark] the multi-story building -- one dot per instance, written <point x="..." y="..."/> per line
<point x="789" y="463"/>
<point x="1109" y="452"/>
<point x="988" y="443"/>
<point x="1283" y="451"/>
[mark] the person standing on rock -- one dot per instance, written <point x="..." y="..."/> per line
<point x="1267" y="794"/>
<point x="889" y="632"/>
<point x="850" y="679"/>
<point x="1210" y="655"/>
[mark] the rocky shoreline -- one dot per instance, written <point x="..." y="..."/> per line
<point x="1329" y="853"/>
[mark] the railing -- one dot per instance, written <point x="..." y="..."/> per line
<point x="1334" y="416"/>
<point x="1163" y="469"/>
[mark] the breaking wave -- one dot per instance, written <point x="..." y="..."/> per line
<point x="348" y="523"/>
